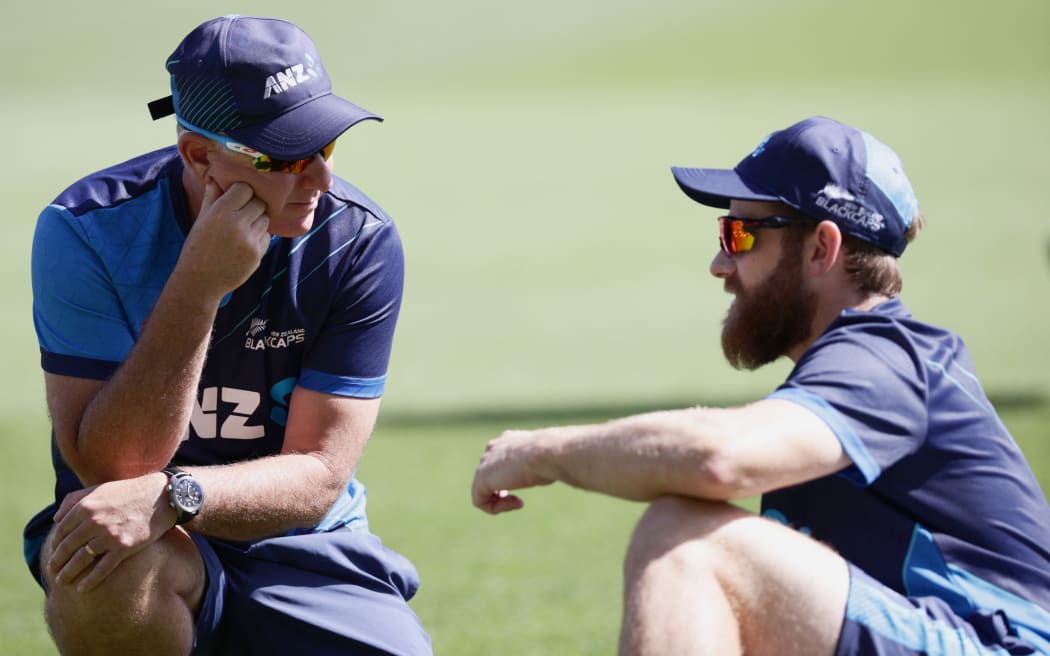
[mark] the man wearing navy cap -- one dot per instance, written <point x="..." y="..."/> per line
<point x="898" y="515"/>
<point x="215" y="322"/>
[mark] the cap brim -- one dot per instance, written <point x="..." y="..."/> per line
<point x="716" y="187"/>
<point x="304" y="130"/>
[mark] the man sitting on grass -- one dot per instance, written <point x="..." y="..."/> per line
<point x="899" y="516"/>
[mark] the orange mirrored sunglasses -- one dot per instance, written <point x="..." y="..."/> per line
<point x="736" y="235"/>
<point x="263" y="162"/>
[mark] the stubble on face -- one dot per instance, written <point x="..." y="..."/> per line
<point x="763" y="323"/>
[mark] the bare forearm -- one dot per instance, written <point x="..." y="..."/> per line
<point x="323" y="442"/>
<point x="136" y="421"/>
<point x="247" y="501"/>
<point x="639" y="458"/>
<point x="708" y="453"/>
<point x="262" y="498"/>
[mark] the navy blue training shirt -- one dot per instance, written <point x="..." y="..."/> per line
<point x="319" y="312"/>
<point x="939" y="500"/>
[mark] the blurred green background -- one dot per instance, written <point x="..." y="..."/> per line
<point x="555" y="272"/>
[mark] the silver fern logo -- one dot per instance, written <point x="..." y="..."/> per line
<point x="257" y="326"/>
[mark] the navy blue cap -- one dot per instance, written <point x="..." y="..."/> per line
<point x="824" y="169"/>
<point x="260" y="82"/>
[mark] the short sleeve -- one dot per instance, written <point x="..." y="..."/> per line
<point x="866" y="382"/>
<point x="352" y="353"/>
<point x="80" y="323"/>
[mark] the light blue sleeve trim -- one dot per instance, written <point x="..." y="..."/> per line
<point x="865" y="470"/>
<point x="362" y="388"/>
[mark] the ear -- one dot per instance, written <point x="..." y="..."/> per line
<point x="197" y="153"/>
<point x="825" y="247"/>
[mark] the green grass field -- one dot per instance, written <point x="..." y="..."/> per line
<point x="555" y="272"/>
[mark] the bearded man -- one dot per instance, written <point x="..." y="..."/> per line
<point x="898" y="515"/>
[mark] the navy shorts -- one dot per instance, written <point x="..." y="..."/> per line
<point x="882" y="622"/>
<point x="339" y="592"/>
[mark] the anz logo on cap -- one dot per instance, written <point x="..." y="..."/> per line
<point x="292" y="76"/>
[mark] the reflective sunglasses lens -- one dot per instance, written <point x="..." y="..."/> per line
<point x="743" y="240"/>
<point x="723" y="241"/>
<point x="295" y="167"/>
<point x="299" y="165"/>
<point x="327" y="151"/>
<point x="735" y="238"/>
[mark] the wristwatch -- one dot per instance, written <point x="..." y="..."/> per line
<point x="185" y="494"/>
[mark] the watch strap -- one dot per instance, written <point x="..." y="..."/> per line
<point x="174" y="474"/>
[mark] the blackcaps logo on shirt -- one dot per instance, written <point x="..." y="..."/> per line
<point x="838" y="202"/>
<point x="258" y="338"/>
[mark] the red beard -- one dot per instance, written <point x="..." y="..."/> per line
<point x="765" y="322"/>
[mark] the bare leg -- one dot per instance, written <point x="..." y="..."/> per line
<point x="146" y="606"/>
<point x="709" y="578"/>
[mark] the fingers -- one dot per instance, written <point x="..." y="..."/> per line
<point x="515" y="460"/>
<point x="238" y="202"/>
<point x="88" y="566"/>
<point x="211" y="192"/>
<point x="78" y="547"/>
<point x="498" y="472"/>
<point x="490" y="497"/>
<point x="499" y="502"/>
<point x="70" y="537"/>
<point x="234" y="197"/>
<point x="242" y="205"/>
<point x="260" y="228"/>
<point x="227" y="240"/>
<point x="64" y="519"/>
<point x="100" y="527"/>
<point x="98" y="569"/>
<point x="73" y="567"/>
<point x="74" y="556"/>
<point x="68" y="503"/>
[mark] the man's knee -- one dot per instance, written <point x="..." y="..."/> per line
<point x="162" y="583"/>
<point x="674" y="524"/>
<point x="160" y="565"/>
<point x="698" y="552"/>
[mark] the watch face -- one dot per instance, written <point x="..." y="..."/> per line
<point x="187" y="493"/>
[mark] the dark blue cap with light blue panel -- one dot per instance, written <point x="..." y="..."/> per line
<point x="258" y="81"/>
<point x="824" y="169"/>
